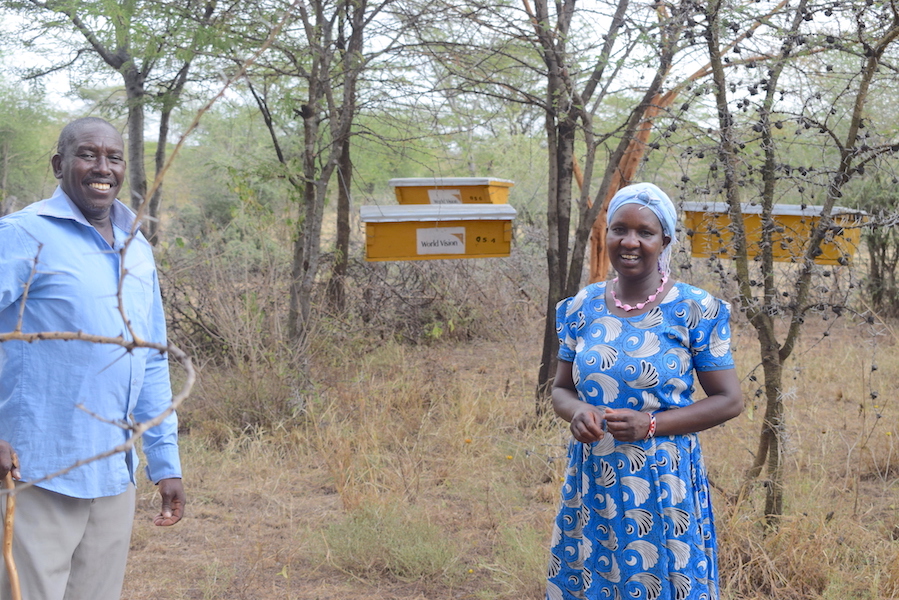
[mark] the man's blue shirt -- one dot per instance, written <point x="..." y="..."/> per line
<point x="74" y="286"/>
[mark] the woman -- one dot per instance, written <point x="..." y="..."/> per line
<point x="635" y="519"/>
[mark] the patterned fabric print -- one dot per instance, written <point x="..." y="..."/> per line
<point x="635" y="519"/>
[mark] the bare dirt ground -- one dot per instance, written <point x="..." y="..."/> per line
<point x="255" y="512"/>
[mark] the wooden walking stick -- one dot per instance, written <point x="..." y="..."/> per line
<point x="7" y="532"/>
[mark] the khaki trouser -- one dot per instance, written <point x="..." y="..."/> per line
<point x="69" y="548"/>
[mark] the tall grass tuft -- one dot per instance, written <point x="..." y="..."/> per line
<point x="394" y="540"/>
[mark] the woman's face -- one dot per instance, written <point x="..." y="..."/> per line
<point x="635" y="241"/>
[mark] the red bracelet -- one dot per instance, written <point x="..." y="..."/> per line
<point x="651" y="432"/>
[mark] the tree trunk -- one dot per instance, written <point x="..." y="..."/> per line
<point x="336" y="289"/>
<point x="307" y="252"/>
<point x="294" y="313"/>
<point x="170" y="100"/>
<point x="152" y="228"/>
<point x="137" y="174"/>
<point x="769" y="453"/>
<point x="561" y="159"/>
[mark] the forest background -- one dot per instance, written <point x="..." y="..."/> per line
<point x="381" y="430"/>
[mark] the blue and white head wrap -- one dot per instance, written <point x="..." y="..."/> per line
<point x="650" y="196"/>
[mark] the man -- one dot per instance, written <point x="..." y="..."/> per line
<point x="61" y="401"/>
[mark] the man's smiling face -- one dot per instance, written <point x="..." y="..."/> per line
<point x="91" y="168"/>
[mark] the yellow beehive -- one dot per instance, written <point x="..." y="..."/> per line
<point x="437" y="231"/>
<point x="451" y="190"/>
<point x="708" y="225"/>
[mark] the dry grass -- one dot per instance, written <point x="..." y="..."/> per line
<point x="417" y="472"/>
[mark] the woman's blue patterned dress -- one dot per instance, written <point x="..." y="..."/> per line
<point x="635" y="520"/>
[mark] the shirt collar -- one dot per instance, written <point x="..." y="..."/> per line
<point x="59" y="205"/>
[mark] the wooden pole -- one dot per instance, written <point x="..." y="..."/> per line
<point x="8" y="520"/>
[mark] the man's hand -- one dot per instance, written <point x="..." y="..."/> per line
<point x="173" y="500"/>
<point x="8" y="461"/>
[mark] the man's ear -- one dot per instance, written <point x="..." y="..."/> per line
<point x="56" y="163"/>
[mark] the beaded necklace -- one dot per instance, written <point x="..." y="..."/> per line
<point x="639" y="305"/>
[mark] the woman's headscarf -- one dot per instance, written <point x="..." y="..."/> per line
<point x="653" y="198"/>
